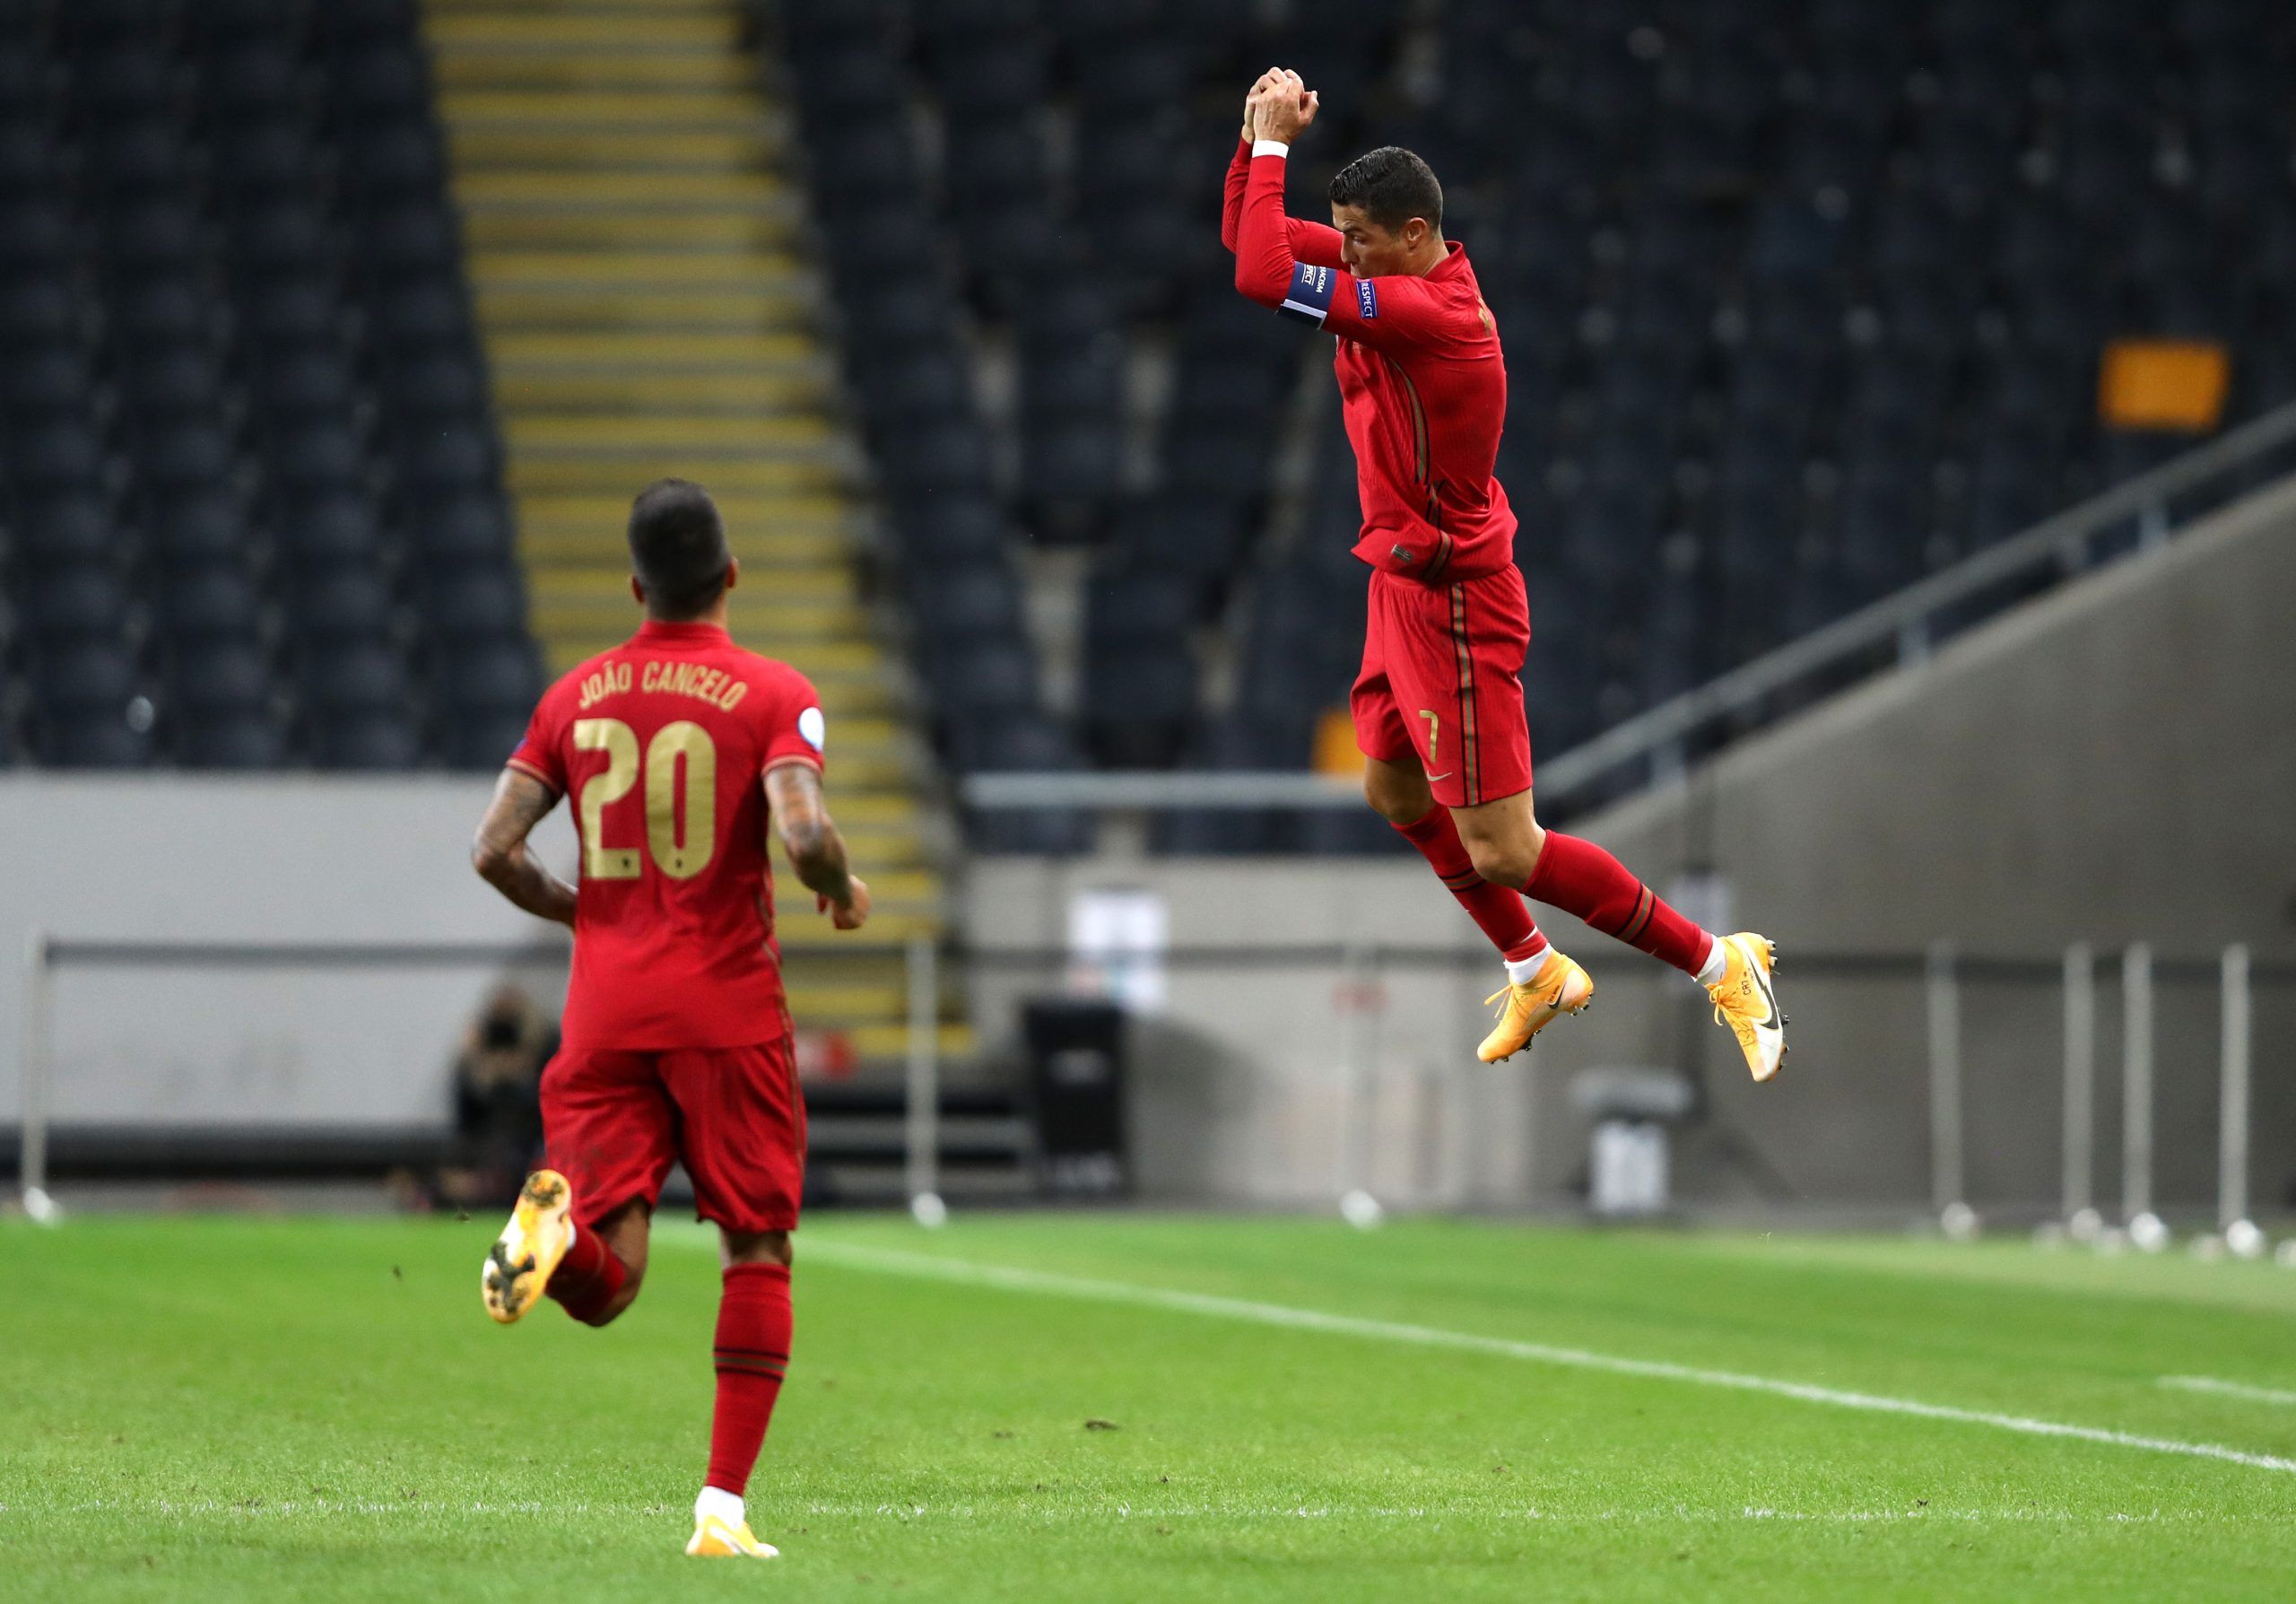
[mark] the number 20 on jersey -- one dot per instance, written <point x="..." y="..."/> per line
<point x="668" y="783"/>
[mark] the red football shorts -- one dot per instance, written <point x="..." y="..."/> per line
<point x="1442" y="680"/>
<point x="615" y="1122"/>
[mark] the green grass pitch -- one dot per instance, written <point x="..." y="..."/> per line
<point x="305" y="1409"/>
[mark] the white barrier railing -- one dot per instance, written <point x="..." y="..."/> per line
<point x="1942" y="972"/>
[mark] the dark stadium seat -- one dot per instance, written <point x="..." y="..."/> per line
<point x="345" y="680"/>
<point x="87" y="676"/>
<point x="467" y="530"/>
<point x="969" y="601"/>
<point x="302" y="382"/>
<point x="393" y="161"/>
<point x="481" y="743"/>
<point x="467" y="605"/>
<point x="214" y="600"/>
<point x="322" y="458"/>
<point x="1071" y="474"/>
<point x="43" y="384"/>
<point x="378" y="741"/>
<point x="330" y="530"/>
<point x="79" y="741"/>
<point x="82" y="602"/>
<point x="159" y="312"/>
<point x="950" y="459"/>
<point x="435" y="390"/>
<point x="234" y="741"/>
<point x="164" y="381"/>
<point x="1138" y="703"/>
<point x="210" y="679"/>
<point x="35" y="235"/>
<point x="287" y="313"/>
<point x="340" y="604"/>
<point x="453" y="462"/>
<point x="58" y="458"/>
<point x="67" y="531"/>
<point x="986" y="679"/>
<point x="198" y="529"/>
<point x="953" y="533"/>
<point x="147" y="158"/>
<point x="180" y="459"/>
<point x="495" y="678"/>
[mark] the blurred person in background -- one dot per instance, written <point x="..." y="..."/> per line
<point x="497" y="1084"/>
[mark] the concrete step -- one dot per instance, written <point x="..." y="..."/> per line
<point x="499" y="229"/>
<point x="880" y="851"/>
<point x="624" y="475"/>
<point x="874" y="1043"/>
<point x="445" y="8"/>
<point x="763" y="309"/>
<point x="634" y="30"/>
<point x="536" y="110"/>
<point x="631" y="150"/>
<point x="627" y="351"/>
<point x="489" y="67"/>
<point x="533" y="188"/>
<point x="627" y="269"/>
<point x="547" y="433"/>
<point x="750" y="395"/>
<point x="810" y="931"/>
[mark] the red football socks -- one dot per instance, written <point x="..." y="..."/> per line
<point x="1498" y="910"/>
<point x="752" y="1354"/>
<point x="588" y="1277"/>
<point x="1579" y="878"/>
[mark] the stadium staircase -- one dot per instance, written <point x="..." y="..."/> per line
<point x="637" y="270"/>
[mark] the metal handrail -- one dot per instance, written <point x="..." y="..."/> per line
<point x="1903" y="619"/>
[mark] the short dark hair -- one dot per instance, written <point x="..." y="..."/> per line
<point x="1392" y="185"/>
<point x="677" y="545"/>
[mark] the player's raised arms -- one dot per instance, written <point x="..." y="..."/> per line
<point x="1308" y="240"/>
<point x="1359" y="280"/>
<point x="499" y="852"/>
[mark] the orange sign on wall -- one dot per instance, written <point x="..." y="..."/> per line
<point x="1336" y="751"/>
<point x="2163" y="384"/>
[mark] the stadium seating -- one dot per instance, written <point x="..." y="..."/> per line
<point x="250" y="508"/>
<point x="1801" y="302"/>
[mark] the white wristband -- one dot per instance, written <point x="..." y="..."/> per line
<point x="1270" y="147"/>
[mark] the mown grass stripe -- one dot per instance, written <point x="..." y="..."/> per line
<point x="1006" y="1278"/>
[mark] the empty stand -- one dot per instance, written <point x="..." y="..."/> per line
<point x="1801" y="301"/>
<point x="240" y="390"/>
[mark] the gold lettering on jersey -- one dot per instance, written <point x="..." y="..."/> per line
<point x="692" y="782"/>
<point x="715" y="687"/>
<point x="606" y="680"/>
<point x="600" y="790"/>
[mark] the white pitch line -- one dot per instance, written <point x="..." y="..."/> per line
<point x="2209" y="1383"/>
<point x="1003" y="1278"/>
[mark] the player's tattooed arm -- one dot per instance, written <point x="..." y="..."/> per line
<point x="500" y="855"/>
<point x="793" y="791"/>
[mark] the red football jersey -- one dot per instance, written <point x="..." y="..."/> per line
<point x="663" y="745"/>
<point x="1421" y="382"/>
